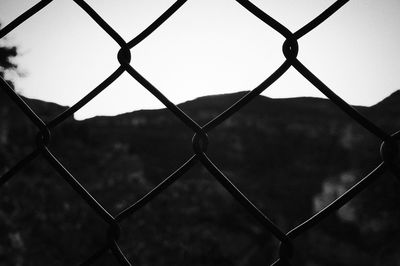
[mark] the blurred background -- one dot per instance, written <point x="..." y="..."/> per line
<point x="290" y="156"/>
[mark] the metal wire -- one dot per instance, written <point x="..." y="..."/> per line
<point x="389" y="148"/>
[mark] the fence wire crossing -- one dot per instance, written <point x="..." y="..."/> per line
<point x="389" y="149"/>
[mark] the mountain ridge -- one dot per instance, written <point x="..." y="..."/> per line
<point x="224" y="101"/>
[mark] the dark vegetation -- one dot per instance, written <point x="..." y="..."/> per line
<point x="290" y="156"/>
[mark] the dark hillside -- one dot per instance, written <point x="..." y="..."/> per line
<point x="289" y="156"/>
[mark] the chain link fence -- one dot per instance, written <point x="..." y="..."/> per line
<point x="389" y="151"/>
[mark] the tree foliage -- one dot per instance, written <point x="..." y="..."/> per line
<point x="7" y="54"/>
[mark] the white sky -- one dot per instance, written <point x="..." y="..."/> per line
<point x="207" y="47"/>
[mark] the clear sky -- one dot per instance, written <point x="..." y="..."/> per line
<point x="207" y="47"/>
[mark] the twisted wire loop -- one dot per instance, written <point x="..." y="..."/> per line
<point x="389" y="149"/>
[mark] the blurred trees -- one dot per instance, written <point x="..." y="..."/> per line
<point x="7" y="54"/>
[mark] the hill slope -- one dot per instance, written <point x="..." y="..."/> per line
<point x="290" y="156"/>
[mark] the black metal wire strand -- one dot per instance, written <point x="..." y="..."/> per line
<point x="389" y="148"/>
<point x="17" y="167"/>
<point x="320" y="18"/>
<point x="343" y="105"/>
<point x="242" y="199"/>
<point x="265" y="18"/>
<point x="157" y="23"/>
<point x="189" y="122"/>
<point x="157" y="190"/>
<point x="23" y="106"/>
<point x="339" y="202"/>
<point x="73" y="109"/>
<point x="101" y="22"/>
<point x="74" y="183"/>
<point x="247" y="98"/>
<point x="119" y="255"/>
<point x="26" y="15"/>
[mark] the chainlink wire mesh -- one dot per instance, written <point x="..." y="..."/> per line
<point x="389" y="149"/>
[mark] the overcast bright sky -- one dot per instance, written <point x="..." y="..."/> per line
<point x="207" y="47"/>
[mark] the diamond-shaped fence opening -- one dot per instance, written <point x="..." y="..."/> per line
<point x="45" y="127"/>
